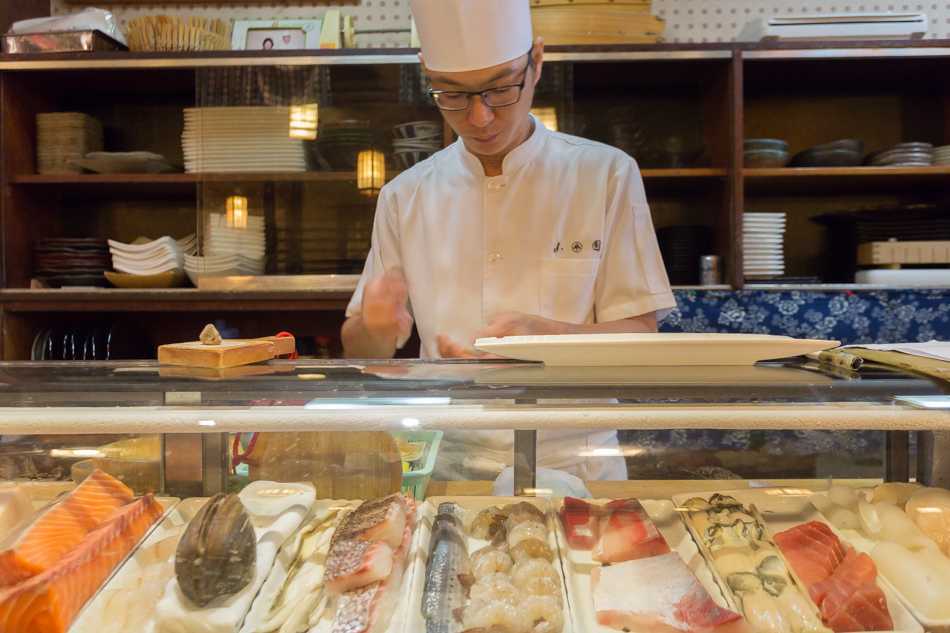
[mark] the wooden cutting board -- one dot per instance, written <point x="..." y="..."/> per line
<point x="229" y="353"/>
<point x="560" y="26"/>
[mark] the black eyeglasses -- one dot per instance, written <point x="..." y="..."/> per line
<point x="493" y="97"/>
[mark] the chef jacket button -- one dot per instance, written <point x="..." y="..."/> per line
<point x="494" y="257"/>
<point x="494" y="186"/>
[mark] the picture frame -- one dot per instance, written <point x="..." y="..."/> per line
<point x="266" y="35"/>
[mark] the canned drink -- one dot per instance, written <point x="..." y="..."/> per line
<point x="709" y="271"/>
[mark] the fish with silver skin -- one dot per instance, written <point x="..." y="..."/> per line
<point x="448" y="557"/>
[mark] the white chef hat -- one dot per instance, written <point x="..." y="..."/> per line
<point x="462" y="35"/>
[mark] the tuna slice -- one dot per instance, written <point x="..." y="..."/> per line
<point x="62" y="528"/>
<point x="580" y="520"/>
<point x="627" y="533"/>
<point x="831" y="594"/>
<point x="659" y="594"/>
<point x="865" y="610"/>
<point x="48" y="602"/>
<point x="382" y="519"/>
<point x="369" y="609"/>
<point x="812" y="549"/>
<point x="352" y="564"/>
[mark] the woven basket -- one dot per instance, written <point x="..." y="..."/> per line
<point x="178" y="33"/>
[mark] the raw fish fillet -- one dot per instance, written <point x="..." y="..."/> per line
<point x="382" y="519"/>
<point x="352" y="564"/>
<point x="369" y="609"/>
<point x="61" y="529"/>
<point x="831" y="594"/>
<point x="659" y="594"/>
<point x="48" y="602"/>
<point x="865" y="610"/>
<point x="580" y="520"/>
<point x="627" y="533"/>
<point x="813" y="550"/>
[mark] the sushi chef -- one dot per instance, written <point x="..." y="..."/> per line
<point x="511" y="230"/>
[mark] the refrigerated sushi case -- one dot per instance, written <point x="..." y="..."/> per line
<point x="195" y="413"/>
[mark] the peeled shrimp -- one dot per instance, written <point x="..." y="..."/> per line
<point x="522" y="573"/>
<point x="542" y="586"/>
<point x="545" y="609"/>
<point x="488" y="612"/>
<point x="523" y="512"/>
<point x="495" y="585"/>
<point x="527" y="530"/>
<point x="486" y="523"/>
<point x="531" y="548"/>
<point x="489" y="560"/>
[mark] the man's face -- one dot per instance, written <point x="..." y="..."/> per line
<point x="487" y="131"/>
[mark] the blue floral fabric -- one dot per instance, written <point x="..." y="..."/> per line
<point x="852" y="317"/>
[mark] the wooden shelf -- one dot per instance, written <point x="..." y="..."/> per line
<point x="844" y="180"/>
<point x="169" y="300"/>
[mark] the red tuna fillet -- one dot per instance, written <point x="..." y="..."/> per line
<point x="580" y="520"/>
<point x="866" y="610"/>
<point x="352" y="564"/>
<point x="812" y="549"/>
<point x="831" y="594"/>
<point x="659" y="594"/>
<point x="627" y="533"/>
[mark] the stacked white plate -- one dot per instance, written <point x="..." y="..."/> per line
<point x="903" y="155"/>
<point x="241" y="139"/>
<point x="153" y="257"/>
<point x="942" y="155"/>
<point x="763" y="239"/>
<point x="228" y="251"/>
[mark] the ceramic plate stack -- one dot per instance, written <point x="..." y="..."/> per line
<point x="942" y="155"/>
<point x="763" y="238"/>
<point x="903" y="155"/>
<point x="681" y="247"/>
<point x="65" y="136"/>
<point x="71" y="262"/>
<point x="154" y="257"/>
<point x="229" y="251"/>
<point x="414" y="142"/>
<point x="240" y="139"/>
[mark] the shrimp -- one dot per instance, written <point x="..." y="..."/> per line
<point x="487" y="612"/>
<point x="531" y="548"/>
<point x="486" y="523"/>
<point x="489" y="560"/>
<point x="526" y="570"/>
<point x="545" y="613"/>
<point x="527" y="530"/>
<point x="542" y="586"/>
<point x="521" y="513"/>
<point x="495" y="585"/>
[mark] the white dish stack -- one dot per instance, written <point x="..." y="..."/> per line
<point x="166" y="254"/>
<point x="241" y="139"/>
<point x="763" y="239"/>
<point x="942" y="155"/>
<point x="228" y="251"/>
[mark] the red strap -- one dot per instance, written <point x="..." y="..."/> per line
<point x="238" y="457"/>
<point x="292" y="356"/>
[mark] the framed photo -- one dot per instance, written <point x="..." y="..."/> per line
<point x="276" y="35"/>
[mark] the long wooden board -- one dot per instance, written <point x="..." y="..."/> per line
<point x="626" y="6"/>
<point x="566" y="26"/>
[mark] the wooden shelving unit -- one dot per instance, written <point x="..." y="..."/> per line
<point x="705" y="97"/>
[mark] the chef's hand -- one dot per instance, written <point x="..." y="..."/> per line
<point x="520" y="324"/>
<point x="384" y="306"/>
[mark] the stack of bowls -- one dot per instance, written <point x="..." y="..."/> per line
<point x="903" y="155"/>
<point x="764" y="153"/>
<point x="416" y="141"/>
<point x="942" y="155"/>
<point x="339" y="144"/>
<point x="843" y="153"/>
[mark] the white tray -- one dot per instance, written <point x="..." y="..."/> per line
<point x="784" y="508"/>
<point x="414" y="619"/>
<point x="650" y="349"/>
<point x="578" y="563"/>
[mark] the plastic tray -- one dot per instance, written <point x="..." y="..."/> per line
<point x="416" y="478"/>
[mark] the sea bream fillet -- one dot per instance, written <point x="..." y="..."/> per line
<point x="48" y="602"/>
<point x="382" y="519"/>
<point x="659" y="594"/>
<point x="352" y="564"/>
<point x="62" y="528"/>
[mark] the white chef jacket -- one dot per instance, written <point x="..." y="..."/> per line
<point x="565" y="233"/>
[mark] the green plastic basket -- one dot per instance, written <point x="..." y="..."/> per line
<point x="416" y="479"/>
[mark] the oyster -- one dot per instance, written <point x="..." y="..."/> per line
<point x="743" y="582"/>
<point x="218" y="551"/>
<point x="696" y="504"/>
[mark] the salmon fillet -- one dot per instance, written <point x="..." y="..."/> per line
<point x="61" y="529"/>
<point x="48" y="602"/>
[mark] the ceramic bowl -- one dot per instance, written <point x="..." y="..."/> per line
<point x="764" y="158"/>
<point x="765" y="143"/>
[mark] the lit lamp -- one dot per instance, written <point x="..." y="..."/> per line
<point x="547" y="116"/>
<point x="303" y="121"/>
<point x="237" y="212"/>
<point x="370" y="171"/>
